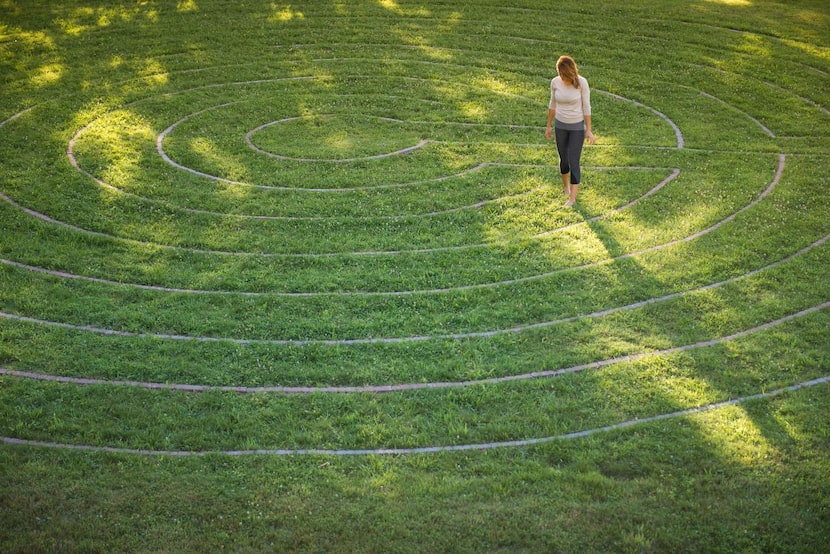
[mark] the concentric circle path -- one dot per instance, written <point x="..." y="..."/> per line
<point x="327" y="222"/>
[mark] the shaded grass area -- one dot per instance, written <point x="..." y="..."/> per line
<point x="591" y="398"/>
<point x="684" y="319"/>
<point x="747" y="477"/>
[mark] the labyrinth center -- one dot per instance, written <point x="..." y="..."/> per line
<point x="366" y="239"/>
<point x="326" y="139"/>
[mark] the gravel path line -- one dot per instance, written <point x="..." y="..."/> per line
<point x="409" y="386"/>
<point x="390" y="340"/>
<point x="425" y="449"/>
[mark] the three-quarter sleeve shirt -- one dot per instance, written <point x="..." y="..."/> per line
<point x="571" y="104"/>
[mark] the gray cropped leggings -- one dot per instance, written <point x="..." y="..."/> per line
<point x="569" y="144"/>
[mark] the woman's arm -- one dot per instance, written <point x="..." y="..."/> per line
<point x="548" y="130"/>
<point x="588" y="133"/>
<point x="586" y="110"/>
<point x="551" y="109"/>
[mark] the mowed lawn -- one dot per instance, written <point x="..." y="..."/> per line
<point x="298" y="277"/>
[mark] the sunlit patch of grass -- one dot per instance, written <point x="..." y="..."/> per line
<point x="187" y="5"/>
<point x="85" y="19"/>
<point x="737" y="438"/>
<point x="742" y="3"/>
<point x="394" y="6"/>
<point x="282" y="13"/>
<point x="47" y="75"/>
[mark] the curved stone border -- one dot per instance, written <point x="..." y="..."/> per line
<point x="448" y="289"/>
<point x="249" y="141"/>
<point x="617" y="210"/>
<point x="470" y="171"/>
<point x="65" y="275"/>
<point x="727" y="219"/>
<point x="70" y="154"/>
<point x="536" y="40"/>
<point x="678" y="134"/>
<point x="15" y="116"/>
<point x="418" y="338"/>
<point x="476" y="205"/>
<point x="424" y="449"/>
<point x="742" y="112"/>
<point x="458" y="447"/>
<point x="408" y="386"/>
<point x="73" y="161"/>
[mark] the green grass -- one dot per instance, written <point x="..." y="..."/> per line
<point x="291" y="206"/>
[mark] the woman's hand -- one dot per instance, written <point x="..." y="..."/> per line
<point x="591" y="138"/>
<point x="548" y="133"/>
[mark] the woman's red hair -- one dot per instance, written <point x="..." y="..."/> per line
<point x="566" y="66"/>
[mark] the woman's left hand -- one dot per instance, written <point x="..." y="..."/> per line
<point x="591" y="138"/>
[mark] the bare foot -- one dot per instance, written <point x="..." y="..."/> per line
<point x="569" y="203"/>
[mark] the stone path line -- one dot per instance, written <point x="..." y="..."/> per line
<point x="407" y="386"/>
<point x="419" y="450"/>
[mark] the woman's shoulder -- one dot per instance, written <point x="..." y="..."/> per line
<point x="582" y="80"/>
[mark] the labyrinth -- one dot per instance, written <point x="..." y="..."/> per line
<point x="326" y="231"/>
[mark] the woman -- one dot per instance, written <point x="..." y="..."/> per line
<point x="570" y="106"/>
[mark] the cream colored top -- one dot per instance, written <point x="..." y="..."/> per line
<point x="571" y="104"/>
